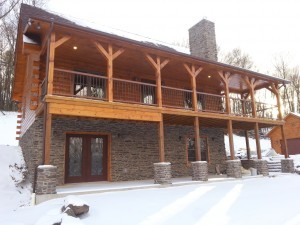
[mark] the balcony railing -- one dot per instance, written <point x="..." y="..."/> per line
<point x="73" y="83"/>
<point x="240" y="107"/>
<point x="265" y="110"/>
<point x="177" y="98"/>
<point x="211" y="102"/>
<point x="134" y="92"/>
<point x="85" y="85"/>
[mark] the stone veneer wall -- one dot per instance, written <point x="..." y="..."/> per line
<point x="32" y="146"/>
<point x="134" y="146"/>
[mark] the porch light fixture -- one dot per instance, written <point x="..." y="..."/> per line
<point x="75" y="47"/>
<point x="209" y="76"/>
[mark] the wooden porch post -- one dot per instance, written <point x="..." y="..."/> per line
<point x="257" y="139"/>
<point x="274" y="89"/>
<point x="110" y="56"/>
<point x="230" y="136"/>
<point x="197" y="139"/>
<point x="247" y="144"/>
<point x="161" y="140"/>
<point x="286" y="152"/>
<point x="47" y="115"/>
<point x="50" y="56"/>
<point x="157" y="66"/>
<point x="225" y="78"/>
<point x="193" y="72"/>
<point x="251" y="83"/>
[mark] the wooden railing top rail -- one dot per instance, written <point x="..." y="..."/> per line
<point x="215" y="95"/>
<point x="134" y="82"/>
<point x="177" y="89"/>
<point x="80" y="73"/>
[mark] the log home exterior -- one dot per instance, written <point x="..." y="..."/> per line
<point x="105" y="107"/>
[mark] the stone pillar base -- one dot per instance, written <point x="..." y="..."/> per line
<point x="162" y="173"/>
<point x="234" y="168"/>
<point x="199" y="170"/>
<point x="262" y="167"/>
<point x="287" y="165"/>
<point x="249" y="163"/>
<point x="46" y="180"/>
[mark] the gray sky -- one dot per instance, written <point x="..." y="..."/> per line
<point x="265" y="29"/>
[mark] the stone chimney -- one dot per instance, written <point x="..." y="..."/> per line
<point x="202" y="40"/>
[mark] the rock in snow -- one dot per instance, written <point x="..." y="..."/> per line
<point x="75" y="204"/>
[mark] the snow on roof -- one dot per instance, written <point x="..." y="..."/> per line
<point x="295" y="114"/>
<point x="125" y="34"/>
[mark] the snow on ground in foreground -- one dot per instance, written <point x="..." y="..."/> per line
<point x="8" y="124"/>
<point x="267" y="200"/>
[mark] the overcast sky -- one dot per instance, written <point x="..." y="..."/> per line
<point x="264" y="29"/>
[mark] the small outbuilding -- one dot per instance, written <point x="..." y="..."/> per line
<point x="292" y="135"/>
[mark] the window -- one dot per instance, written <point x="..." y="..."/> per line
<point x="191" y="149"/>
<point x="148" y="92"/>
<point x="89" y="86"/>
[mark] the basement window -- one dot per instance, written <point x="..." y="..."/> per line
<point x="191" y="149"/>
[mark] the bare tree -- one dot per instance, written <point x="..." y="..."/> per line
<point x="9" y="16"/>
<point x="237" y="58"/>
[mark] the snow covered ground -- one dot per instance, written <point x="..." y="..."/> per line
<point x="273" y="201"/>
<point x="8" y="124"/>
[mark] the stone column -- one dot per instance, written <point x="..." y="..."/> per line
<point x="162" y="173"/>
<point x="46" y="180"/>
<point x="262" y="167"/>
<point x="199" y="170"/>
<point x="287" y="165"/>
<point x="234" y="168"/>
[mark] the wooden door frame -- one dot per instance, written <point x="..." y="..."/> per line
<point x="109" y="144"/>
<point x="188" y="163"/>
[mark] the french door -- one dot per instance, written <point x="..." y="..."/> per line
<point x="86" y="158"/>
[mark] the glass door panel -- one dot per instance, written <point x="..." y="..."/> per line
<point x="75" y="157"/>
<point x="96" y="156"/>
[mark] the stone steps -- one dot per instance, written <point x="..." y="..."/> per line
<point x="274" y="166"/>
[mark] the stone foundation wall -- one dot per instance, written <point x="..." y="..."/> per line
<point x="134" y="146"/>
<point x="32" y="147"/>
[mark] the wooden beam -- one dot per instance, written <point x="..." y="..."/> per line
<point x="61" y="41"/>
<point x="193" y="73"/>
<point x="286" y="151"/>
<point x="225" y="76"/>
<point x="257" y="139"/>
<point x="47" y="135"/>
<point x="197" y="139"/>
<point x="247" y="145"/>
<point x="157" y="66"/>
<point x="230" y="136"/>
<point x="161" y="140"/>
<point x="275" y="90"/>
<point x="251" y="83"/>
<point x="110" y="56"/>
<point x="51" y="55"/>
